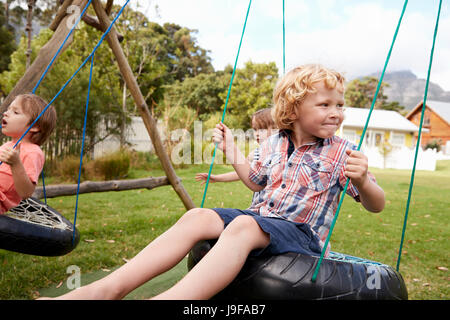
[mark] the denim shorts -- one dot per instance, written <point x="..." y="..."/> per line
<point x="285" y="235"/>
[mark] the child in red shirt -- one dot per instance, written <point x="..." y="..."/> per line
<point x="21" y="166"/>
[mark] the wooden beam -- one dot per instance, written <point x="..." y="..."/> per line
<point x="93" y="22"/>
<point x="62" y="12"/>
<point x="59" y="190"/>
<point x="108" y="7"/>
<point x="149" y="121"/>
<point x="34" y="72"/>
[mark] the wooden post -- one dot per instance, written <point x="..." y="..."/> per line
<point x="34" y="72"/>
<point x="139" y="100"/>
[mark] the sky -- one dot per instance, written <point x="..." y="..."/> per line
<point x="351" y="36"/>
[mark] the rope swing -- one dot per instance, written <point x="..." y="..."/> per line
<point x="317" y="266"/>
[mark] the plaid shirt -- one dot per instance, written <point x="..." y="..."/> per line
<point x="301" y="185"/>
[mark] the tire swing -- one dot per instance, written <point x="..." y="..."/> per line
<point x="33" y="227"/>
<point x="37" y="229"/>
<point x="288" y="277"/>
<point x="292" y="276"/>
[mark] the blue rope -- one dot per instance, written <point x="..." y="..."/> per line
<point x="43" y="187"/>
<point x="226" y="104"/>
<point x="424" y="105"/>
<point x="82" y="147"/>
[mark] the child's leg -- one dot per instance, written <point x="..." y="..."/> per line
<point x="159" y="256"/>
<point x="222" y="263"/>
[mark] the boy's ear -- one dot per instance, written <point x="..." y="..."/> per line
<point x="35" y="129"/>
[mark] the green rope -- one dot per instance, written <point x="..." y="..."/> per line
<point x="226" y="103"/>
<point x="316" y="271"/>
<point x="418" y="137"/>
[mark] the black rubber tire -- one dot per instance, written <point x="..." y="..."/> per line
<point x="30" y="238"/>
<point x="288" y="277"/>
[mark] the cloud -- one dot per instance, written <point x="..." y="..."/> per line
<point x="351" y="36"/>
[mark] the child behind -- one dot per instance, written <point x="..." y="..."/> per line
<point x="22" y="165"/>
<point x="302" y="171"/>
<point x="263" y="126"/>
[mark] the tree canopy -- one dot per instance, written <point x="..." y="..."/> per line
<point x="359" y="93"/>
<point x="158" y="55"/>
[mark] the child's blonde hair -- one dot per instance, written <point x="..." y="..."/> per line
<point x="292" y="89"/>
<point x="32" y="105"/>
<point x="262" y="119"/>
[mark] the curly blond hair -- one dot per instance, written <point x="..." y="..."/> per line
<point x="292" y="89"/>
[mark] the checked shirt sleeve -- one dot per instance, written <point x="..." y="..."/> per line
<point x="258" y="171"/>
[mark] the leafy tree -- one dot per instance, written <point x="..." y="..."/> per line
<point x="252" y="90"/>
<point x="202" y="93"/>
<point x="189" y="60"/>
<point x="360" y="93"/>
<point x="157" y="56"/>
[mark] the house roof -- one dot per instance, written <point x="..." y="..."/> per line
<point x="441" y="108"/>
<point x="379" y="119"/>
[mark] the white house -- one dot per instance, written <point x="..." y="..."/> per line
<point x="389" y="139"/>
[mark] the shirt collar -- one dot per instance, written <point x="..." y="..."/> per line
<point x="287" y="134"/>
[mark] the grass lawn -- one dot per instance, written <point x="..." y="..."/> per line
<point x="115" y="226"/>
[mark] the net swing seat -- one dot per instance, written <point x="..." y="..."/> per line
<point x="35" y="228"/>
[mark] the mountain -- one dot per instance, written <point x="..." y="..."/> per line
<point x="408" y="90"/>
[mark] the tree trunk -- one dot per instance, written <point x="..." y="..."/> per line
<point x="53" y="191"/>
<point x="123" y="116"/>
<point x="29" y="30"/>
<point x="136" y="93"/>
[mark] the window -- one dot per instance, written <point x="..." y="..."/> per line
<point x="398" y="139"/>
<point x="374" y="138"/>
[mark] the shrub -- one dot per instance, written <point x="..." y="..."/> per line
<point x="434" y="144"/>
<point x="67" y="169"/>
<point x="113" y="166"/>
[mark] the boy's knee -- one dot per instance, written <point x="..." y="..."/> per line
<point x="201" y="217"/>
<point x="244" y="228"/>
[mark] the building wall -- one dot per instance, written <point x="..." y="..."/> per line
<point x="387" y="135"/>
<point x="438" y="128"/>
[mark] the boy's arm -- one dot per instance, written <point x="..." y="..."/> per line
<point x="22" y="183"/>
<point x="227" y="177"/>
<point x="224" y="177"/>
<point x="370" y="194"/>
<point x="225" y="141"/>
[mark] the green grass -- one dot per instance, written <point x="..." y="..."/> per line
<point x="119" y="224"/>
